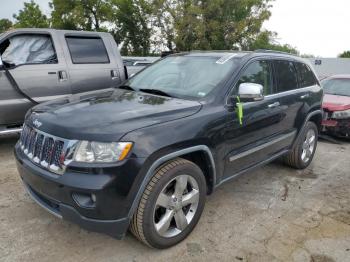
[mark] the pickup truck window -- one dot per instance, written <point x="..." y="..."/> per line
<point x="184" y="76"/>
<point x="87" y="50"/>
<point x="29" y="49"/>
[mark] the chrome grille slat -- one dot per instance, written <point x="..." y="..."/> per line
<point x="38" y="148"/>
<point x="32" y="140"/>
<point x="46" y="150"/>
<point x="57" y="152"/>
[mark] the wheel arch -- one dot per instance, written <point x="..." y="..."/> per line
<point x="315" y="117"/>
<point x="201" y="155"/>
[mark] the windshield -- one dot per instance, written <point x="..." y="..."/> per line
<point x="339" y="87"/>
<point x="185" y="76"/>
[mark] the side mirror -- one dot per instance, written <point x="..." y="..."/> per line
<point x="250" y="92"/>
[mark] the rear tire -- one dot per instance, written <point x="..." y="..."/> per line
<point x="304" y="150"/>
<point x="171" y="204"/>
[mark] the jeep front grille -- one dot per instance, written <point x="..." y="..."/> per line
<point x="50" y="152"/>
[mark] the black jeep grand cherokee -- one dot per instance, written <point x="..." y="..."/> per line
<point x="145" y="155"/>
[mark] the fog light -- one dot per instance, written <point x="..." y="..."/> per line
<point x="85" y="200"/>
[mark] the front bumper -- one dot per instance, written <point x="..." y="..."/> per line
<point x="114" y="228"/>
<point x="110" y="214"/>
<point x="335" y="127"/>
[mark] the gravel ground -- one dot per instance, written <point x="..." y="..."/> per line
<point x="272" y="214"/>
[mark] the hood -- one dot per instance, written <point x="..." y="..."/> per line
<point x="107" y="116"/>
<point x="336" y="103"/>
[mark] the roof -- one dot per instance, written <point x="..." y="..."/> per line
<point x="339" y="77"/>
<point x="245" y="54"/>
<point x="49" y="30"/>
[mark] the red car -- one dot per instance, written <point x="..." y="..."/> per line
<point x="336" y="105"/>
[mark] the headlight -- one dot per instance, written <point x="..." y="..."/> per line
<point x="96" y="152"/>
<point x="341" y="114"/>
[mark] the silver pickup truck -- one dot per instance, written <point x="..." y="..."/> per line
<point x="37" y="65"/>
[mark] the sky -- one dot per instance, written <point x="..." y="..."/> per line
<point x="317" y="27"/>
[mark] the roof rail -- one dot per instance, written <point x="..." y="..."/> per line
<point x="273" y="51"/>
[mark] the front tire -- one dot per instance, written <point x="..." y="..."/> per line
<point x="171" y="204"/>
<point x="304" y="150"/>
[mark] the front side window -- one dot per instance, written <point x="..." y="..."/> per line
<point x="340" y="87"/>
<point x="258" y="72"/>
<point x="87" y="50"/>
<point x="28" y="49"/>
<point x="286" y="76"/>
<point x="185" y="76"/>
<point x="306" y="76"/>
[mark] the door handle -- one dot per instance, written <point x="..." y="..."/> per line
<point x="305" y="96"/>
<point x="114" y="74"/>
<point x="62" y="75"/>
<point x="276" y="104"/>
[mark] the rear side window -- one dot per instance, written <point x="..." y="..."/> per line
<point x="258" y="72"/>
<point x="286" y="76"/>
<point x="87" y="50"/>
<point x="306" y="76"/>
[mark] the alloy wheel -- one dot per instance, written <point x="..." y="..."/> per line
<point x="176" y="206"/>
<point x="308" y="146"/>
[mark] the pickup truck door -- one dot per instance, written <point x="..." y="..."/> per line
<point x="91" y="62"/>
<point x="40" y="78"/>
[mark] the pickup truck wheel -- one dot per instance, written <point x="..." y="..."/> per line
<point x="171" y="204"/>
<point x="303" y="152"/>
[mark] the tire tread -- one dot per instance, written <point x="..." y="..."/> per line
<point x="136" y="225"/>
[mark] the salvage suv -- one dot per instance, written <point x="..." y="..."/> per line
<point x="145" y="155"/>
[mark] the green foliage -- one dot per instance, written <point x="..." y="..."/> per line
<point x="132" y="22"/>
<point x="30" y="16"/>
<point x="345" y="54"/>
<point x="80" y="14"/>
<point x="210" y="24"/>
<point x="140" y="26"/>
<point x="266" y="40"/>
<point x="5" y="25"/>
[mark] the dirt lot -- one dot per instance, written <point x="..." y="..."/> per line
<point x="272" y="214"/>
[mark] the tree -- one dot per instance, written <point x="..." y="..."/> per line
<point x="267" y="40"/>
<point x="345" y="54"/>
<point x="5" y="25"/>
<point x="210" y="24"/>
<point x="127" y="20"/>
<point x="132" y="22"/>
<point x="80" y="14"/>
<point x="31" y="16"/>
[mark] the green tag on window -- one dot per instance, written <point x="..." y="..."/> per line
<point x="239" y="111"/>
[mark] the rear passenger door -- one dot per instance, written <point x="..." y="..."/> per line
<point x="290" y="96"/>
<point x="308" y="85"/>
<point x="91" y="65"/>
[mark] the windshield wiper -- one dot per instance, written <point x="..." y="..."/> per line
<point x="155" y="92"/>
<point x="126" y="87"/>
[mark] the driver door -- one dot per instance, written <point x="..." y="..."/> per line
<point x="40" y="79"/>
<point x="251" y="142"/>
